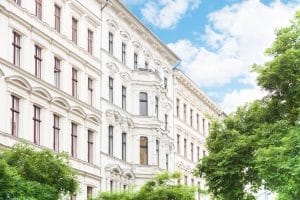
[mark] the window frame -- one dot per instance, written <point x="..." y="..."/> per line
<point x="74" y="30"/>
<point x="39" y="9"/>
<point x="38" y="61"/>
<point x="57" y="17"/>
<point x="36" y="124"/>
<point x="90" y="91"/>
<point x="110" y="89"/>
<point x="144" y="151"/>
<point x="143" y="102"/>
<point x="15" y="115"/>
<point x="74" y="82"/>
<point x="123" y="53"/>
<point x="74" y="138"/>
<point x="57" y="71"/>
<point x="90" y="149"/>
<point x="16" y="49"/>
<point x="124" y="146"/>
<point x="111" y="43"/>
<point x="90" y="40"/>
<point x="124" y="97"/>
<point x="110" y="140"/>
<point x="56" y="130"/>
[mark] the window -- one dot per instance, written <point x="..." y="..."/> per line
<point x="74" y="140"/>
<point x="111" y="183"/>
<point x="36" y="124"/>
<point x="185" y="180"/>
<point x="167" y="161"/>
<point x="111" y="89"/>
<point x="184" y="112"/>
<point x="89" y="192"/>
<point x="38" y="9"/>
<point x="18" y="2"/>
<point x="90" y="91"/>
<point x="15" y="115"/>
<point x="73" y="197"/>
<point x="166" y="122"/>
<point x="146" y="65"/>
<point x="204" y="153"/>
<point x="110" y="140"/>
<point x="124" y="97"/>
<point x="203" y="126"/>
<point x="156" y="106"/>
<point x="90" y="146"/>
<point x="17" y="49"/>
<point x="74" y="30"/>
<point x="192" y="181"/>
<point x="198" y="125"/>
<point x="198" y="153"/>
<point x="192" y="151"/>
<point x="74" y="83"/>
<point x="57" y="72"/>
<point x="38" y="61"/>
<point x="56" y="130"/>
<point x="144" y="151"/>
<point x="57" y="14"/>
<point x="178" y="143"/>
<point x="143" y="104"/>
<point x="177" y="107"/>
<point x="165" y="83"/>
<point x="135" y="60"/>
<point x="110" y="43"/>
<point x="191" y="117"/>
<point x="90" y="41"/>
<point x="185" y="150"/>
<point x="124" y="53"/>
<point x="157" y="152"/>
<point x="124" y="146"/>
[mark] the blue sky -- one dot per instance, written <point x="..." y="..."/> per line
<point x="218" y="40"/>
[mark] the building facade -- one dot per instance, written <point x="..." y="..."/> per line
<point x="88" y="78"/>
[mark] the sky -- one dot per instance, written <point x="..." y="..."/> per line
<point x="218" y="41"/>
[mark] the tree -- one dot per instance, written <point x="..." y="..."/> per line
<point x="258" y="145"/>
<point x="162" y="187"/>
<point x="29" y="174"/>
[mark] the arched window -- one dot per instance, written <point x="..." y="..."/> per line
<point x="143" y="104"/>
<point x="143" y="150"/>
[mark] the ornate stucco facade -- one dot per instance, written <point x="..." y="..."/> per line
<point x="88" y="78"/>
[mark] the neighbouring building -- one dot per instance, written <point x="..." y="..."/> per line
<point x="88" y="78"/>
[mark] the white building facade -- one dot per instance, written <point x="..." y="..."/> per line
<point x="88" y="78"/>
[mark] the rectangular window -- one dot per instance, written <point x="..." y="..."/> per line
<point x="156" y="106"/>
<point x="124" y="97"/>
<point x="90" y="91"/>
<point x="57" y="72"/>
<point x="89" y="192"/>
<point x="74" y="83"/>
<point x="167" y="161"/>
<point x="191" y="117"/>
<point x="90" y="41"/>
<point x="198" y="125"/>
<point x="192" y="151"/>
<point x="18" y="2"/>
<point x="146" y="65"/>
<point x="111" y="183"/>
<point x="165" y="83"/>
<point x="38" y="9"/>
<point x="124" y="151"/>
<point x="157" y="152"/>
<point x="184" y="112"/>
<point x="135" y="61"/>
<point x="143" y="104"/>
<point x="192" y="181"/>
<point x="144" y="151"/>
<point x="198" y="153"/>
<point x="178" y="143"/>
<point x="185" y="180"/>
<point x="166" y="122"/>
<point x="16" y="49"/>
<point x="38" y="61"/>
<point x="74" y="140"/>
<point x="90" y="146"/>
<point x="36" y="124"/>
<point x="177" y="107"/>
<point x="15" y="115"/>
<point x="111" y="89"/>
<point x="74" y="30"/>
<point x="57" y="14"/>
<point x="110" y="140"/>
<point x="124" y="53"/>
<point x="110" y="43"/>
<point x="185" y="149"/>
<point x="203" y="126"/>
<point x="56" y="130"/>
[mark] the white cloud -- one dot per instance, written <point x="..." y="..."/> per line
<point x="235" y="38"/>
<point x="167" y="13"/>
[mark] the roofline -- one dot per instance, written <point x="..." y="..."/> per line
<point x="155" y="37"/>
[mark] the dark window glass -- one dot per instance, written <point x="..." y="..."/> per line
<point x="89" y="192"/>
<point x="90" y="91"/>
<point x="135" y="61"/>
<point x="16" y="49"/>
<point x="198" y="153"/>
<point x="38" y="61"/>
<point x="156" y="106"/>
<point x="184" y="112"/>
<point x="177" y="107"/>
<point x="56" y="130"/>
<point x="157" y="152"/>
<point x="198" y="125"/>
<point x="38" y="9"/>
<point x="111" y="89"/>
<point x="74" y="140"/>
<point x="203" y="126"/>
<point x="191" y="117"/>
<point x="74" y="30"/>
<point x="36" y="124"/>
<point x="74" y="83"/>
<point x="124" y="141"/>
<point x="90" y="146"/>
<point x="192" y="151"/>
<point x="185" y="149"/>
<point x="144" y="151"/>
<point x="90" y="41"/>
<point x="178" y="144"/>
<point x="146" y="65"/>
<point x="57" y="14"/>
<point x="110" y="43"/>
<point x="167" y="161"/>
<point x="124" y="97"/>
<point x="18" y="2"/>
<point x="110" y="140"/>
<point x="165" y="83"/>
<point x="143" y="104"/>
<point x="124" y="53"/>
<point x="166" y="122"/>
<point x="57" y="72"/>
<point x="15" y="115"/>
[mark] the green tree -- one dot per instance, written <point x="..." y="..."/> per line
<point x="162" y="187"/>
<point x="29" y="174"/>
<point x="258" y="145"/>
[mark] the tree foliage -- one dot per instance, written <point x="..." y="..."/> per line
<point x="29" y="174"/>
<point x="258" y="145"/>
<point x="162" y="187"/>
